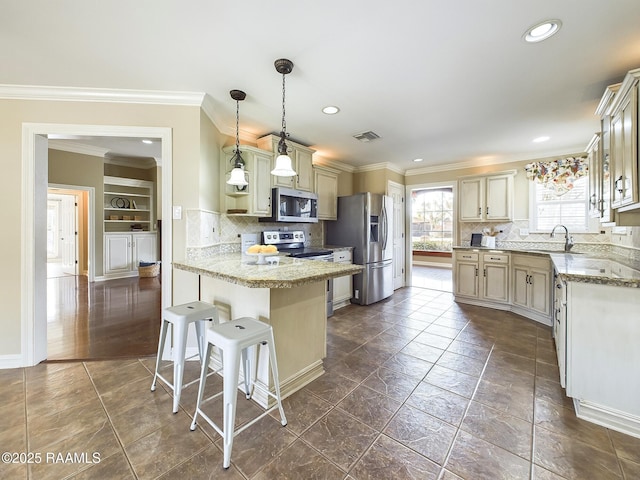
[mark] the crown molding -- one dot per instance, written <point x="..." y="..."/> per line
<point x="333" y="164"/>
<point x="81" y="94"/>
<point x="78" y="148"/>
<point x="144" y="163"/>
<point x="380" y="166"/>
<point x="209" y="108"/>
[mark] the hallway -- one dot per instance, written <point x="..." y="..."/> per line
<point x="102" y="320"/>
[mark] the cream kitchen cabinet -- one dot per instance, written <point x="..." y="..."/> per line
<point x="124" y="251"/>
<point x="326" y="186"/>
<point x="560" y="326"/>
<point x="342" y="286"/>
<point x="487" y="198"/>
<point x="481" y="277"/>
<point x="624" y="142"/>
<point x="254" y="199"/>
<point x="602" y="187"/>
<point x="302" y="162"/>
<point x="595" y="176"/>
<point x="531" y="295"/>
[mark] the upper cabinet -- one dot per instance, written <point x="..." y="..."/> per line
<point x="254" y="199"/>
<point x="326" y="186"/>
<point x="487" y="198"/>
<point x="301" y="159"/>
<point x="128" y="205"/>
<point x="601" y="185"/>
<point x="594" y="156"/>
<point x="624" y="143"/>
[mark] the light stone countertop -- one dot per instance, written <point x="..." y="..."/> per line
<point x="598" y="268"/>
<point x="290" y="272"/>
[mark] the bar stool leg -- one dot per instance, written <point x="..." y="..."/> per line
<point x="274" y="371"/>
<point x="163" y="336"/>
<point x="180" y="330"/>
<point x="231" y="370"/>
<point x="203" y="381"/>
<point x="246" y="367"/>
<point x="200" y="333"/>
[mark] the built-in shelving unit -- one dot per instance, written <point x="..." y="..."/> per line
<point x="128" y="205"/>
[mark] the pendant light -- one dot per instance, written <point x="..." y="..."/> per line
<point x="238" y="176"/>
<point x="283" y="166"/>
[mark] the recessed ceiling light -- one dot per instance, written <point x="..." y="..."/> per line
<point x="418" y="159"/>
<point x="541" y="139"/>
<point x="542" y="31"/>
<point x="330" y="110"/>
<point x="147" y="141"/>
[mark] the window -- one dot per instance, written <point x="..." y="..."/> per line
<point x="432" y="219"/>
<point x="570" y="209"/>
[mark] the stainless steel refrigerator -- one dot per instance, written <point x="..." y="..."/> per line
<point x="364" y="222"/>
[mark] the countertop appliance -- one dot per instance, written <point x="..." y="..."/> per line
<point x="291" y="243"/>
<point x="292" y="206"/>
<point x="364" y="222"/>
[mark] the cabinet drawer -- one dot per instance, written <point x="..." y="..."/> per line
<point x="495" y="258"/>
<point x="342" y="256"/>
<point x="533" y="261"/>
<point x="468" y="256"/>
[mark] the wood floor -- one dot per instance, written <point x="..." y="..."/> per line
<point x="102" y="320"/>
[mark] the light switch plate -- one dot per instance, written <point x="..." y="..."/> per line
<point x="177" y="212"/>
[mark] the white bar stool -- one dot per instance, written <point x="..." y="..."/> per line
<point x="180" y="317"/>
<point x="235" y="338"/>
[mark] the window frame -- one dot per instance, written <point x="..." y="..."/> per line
<point x="533" y="210"/>
<point x="444" y="253"/>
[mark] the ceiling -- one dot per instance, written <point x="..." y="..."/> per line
<point x="449" y="82"/>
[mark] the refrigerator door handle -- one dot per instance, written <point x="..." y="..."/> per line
<point x="384" y="226"/>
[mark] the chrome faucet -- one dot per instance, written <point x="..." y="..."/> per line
<point x="568" y="239"/>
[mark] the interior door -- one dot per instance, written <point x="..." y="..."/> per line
<point x="69" y="234"/>
<point x="396" y="192"/>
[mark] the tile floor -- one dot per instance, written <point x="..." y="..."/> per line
<point x="417" y="387"/>
<point x="435" y="278"/>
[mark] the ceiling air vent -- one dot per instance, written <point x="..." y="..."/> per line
<point x="366" y="136"/>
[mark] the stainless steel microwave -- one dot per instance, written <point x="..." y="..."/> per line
<point x="293" y="206"/>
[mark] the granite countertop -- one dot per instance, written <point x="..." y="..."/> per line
<point x="290" y="272"/>
<point x="600" y="268"/>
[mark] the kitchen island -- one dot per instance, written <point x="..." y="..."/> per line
<point x="289" y="295"/>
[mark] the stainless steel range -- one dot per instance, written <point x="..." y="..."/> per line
<point x="292" y="244"/>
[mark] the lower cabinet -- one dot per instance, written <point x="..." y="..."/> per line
<point x="482" y="276"/>
<point x="342" y="286"/>
<point x="532" y="287"/>
<point x="123" y="252"/>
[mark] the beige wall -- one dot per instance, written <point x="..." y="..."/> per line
<point x="113" y="170"/>
<point x="345" y="184"/>
<point x="375" y="181"/>
<point x="185" y="124"/>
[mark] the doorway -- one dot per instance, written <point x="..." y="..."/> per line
<point x="67" y="232"/>
<point x="432" y="233"/>
<point x="34" y="254"/>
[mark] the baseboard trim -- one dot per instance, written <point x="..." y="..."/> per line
<point x="11" y="361"/>
<point x="608" y="417"/>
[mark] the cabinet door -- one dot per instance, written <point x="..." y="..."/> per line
<point x="498" y="198"/>
<point x="144" y="248"/>
<point x="117" y="253"/>
<point x="471" y="193"/>
<point x="304" y="170"/>
<point x="595" y="173"/>
<point x="540" y="292"/>
<point x="466" y="279"/>
<point x="496" y="282"/>
<point x="521" y="286"/>
<point x="327" y="190"/>
<point x="623" y="147"/>
<point x="262" y="188"/>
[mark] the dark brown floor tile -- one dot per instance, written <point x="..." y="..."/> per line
<point x="631" y="469"/>
<point x="422" y="351"/>
<point x="474" y="458"/>
<point x="391" y="383"/>
<point x="388" y="342"/>
<point x="164" y="449"/>
<point x="505" y="431"/>
<point x="480" y="339"/>
<point x="356" y="366"/>
<point x="525" y="347"/>
<point x="11" y="415"/>
<point x="127" y="395"/>
<point x="548" y="371"/>
<point x="539" y="473"/>
<point x="564" y="421"/>
<point x="460" y="363"/>
<point x="626" y="446"/>
<point x="546" y="354"/>
<point x="12" y="393"/>
<point x="73" y="378"/>
<point x="389" y="459"/>
<point x="121" y="375"/>
<point x="457" y="382"/>
<point x="551" y="391"/>
<point x="421" y="432"/>
<point x="440" y="403"/>
<point x="406" y="333"/>
<point x="408" y="365"/>
<point x="443" y="331"/>
<point x="300" y="461"/>
<point x="14" y="439"/>
<point x="516" y="400"/>
<point x="370" y="407"/>
<point x="340" y="437"/>
<point x="469" y="350"/>
<point x="507" y="376"/>
<point x="14" y="471"/>
<point x="331" y="388"/>
<point x="447" y="475"/>
<point x="511" y="361"/>
<point x="60" y="398"/>
<point x="571" y="458"/>
<point x="433" y="340"/>
<point x="41" y="371"/>
<point x="302" y="410"/>
<point x="115" y="466"/>
<point x="205" y="465"/>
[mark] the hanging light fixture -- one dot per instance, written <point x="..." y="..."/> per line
<point x="238" y="176"/>
<point x="283" y="166"/>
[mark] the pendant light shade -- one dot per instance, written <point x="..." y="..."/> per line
<point x="237" y="176"/>
<point x="284" y="165"/>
